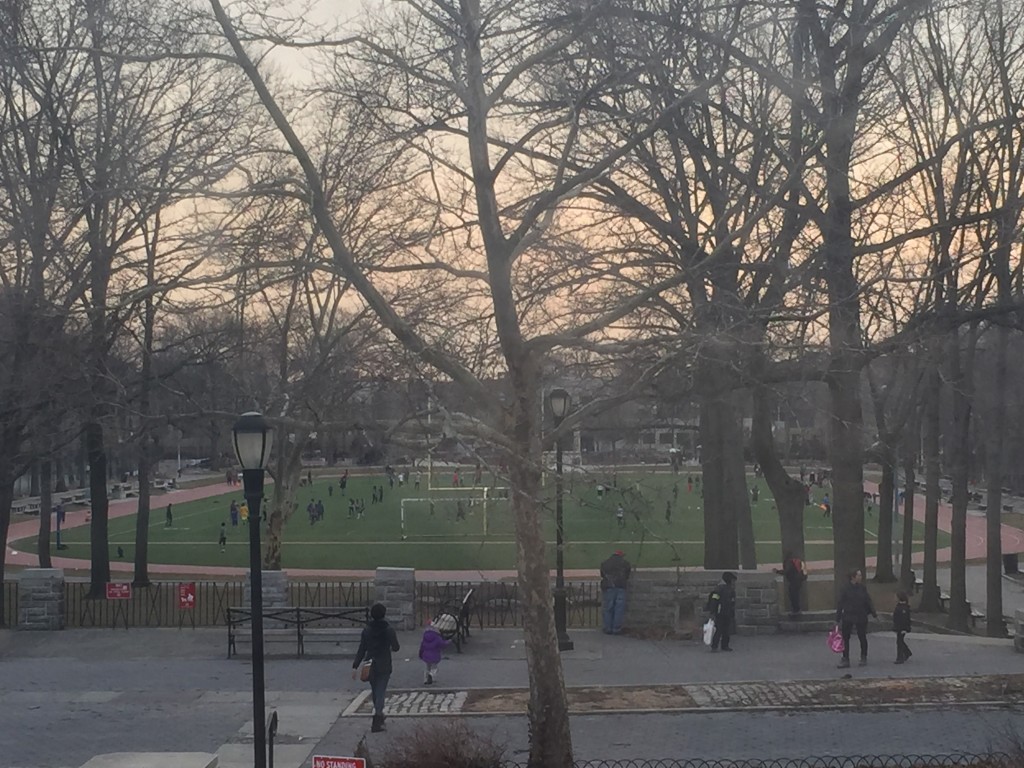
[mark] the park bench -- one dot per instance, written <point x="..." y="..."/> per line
<point x="29" y="506"/>
<point x="453" y="619"/>
<point x="342" y="627"/>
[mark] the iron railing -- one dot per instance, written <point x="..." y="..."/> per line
<point x="157" y="604"/>
<point x="153" y="606"/>
<point x="10" y="617"/>
<point x="997" y="760"/>
<point x="496" y="603"/>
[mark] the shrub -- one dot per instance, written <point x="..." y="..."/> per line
<point x="442" y="744"/>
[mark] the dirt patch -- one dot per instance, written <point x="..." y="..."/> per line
<point x="590" y="699"/>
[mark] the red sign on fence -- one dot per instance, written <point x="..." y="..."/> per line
<point x="326" y="761"/>
<point x="119" y="590"/>
<point x="186" y="595"/>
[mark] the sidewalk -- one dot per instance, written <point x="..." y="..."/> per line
<point x="169" y="690"/>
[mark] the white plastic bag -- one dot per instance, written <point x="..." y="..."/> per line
<point x="709" y="631"/>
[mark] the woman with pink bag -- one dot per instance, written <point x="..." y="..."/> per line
<point x="852" y="613"/>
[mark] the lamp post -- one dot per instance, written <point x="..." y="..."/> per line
<point x="253" y="438"/>
<point x="559" y="401"/>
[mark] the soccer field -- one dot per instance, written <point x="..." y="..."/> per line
<point x="453" y="536"/>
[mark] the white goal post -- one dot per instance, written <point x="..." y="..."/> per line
<point x="485" y="496"/>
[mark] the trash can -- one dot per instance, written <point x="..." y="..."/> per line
<point x="1011" y="563"/>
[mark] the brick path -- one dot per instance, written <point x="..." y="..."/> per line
<point x="988" y="690"/>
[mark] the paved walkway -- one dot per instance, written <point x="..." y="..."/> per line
<point x="68" y="696"/>
<point x="1013" y="541"/>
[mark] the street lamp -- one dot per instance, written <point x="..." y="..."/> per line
<point x="559" y="402"/>
<point x="253" y="438"/>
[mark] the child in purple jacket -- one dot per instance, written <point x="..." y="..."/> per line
<point x="430" y="651"/>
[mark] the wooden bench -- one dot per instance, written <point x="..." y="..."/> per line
<point x="27" y="506"/>
<point x="453" y="620"/>
<point x="300" y="625"/>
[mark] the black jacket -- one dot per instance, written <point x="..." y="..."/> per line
<point x="854" y="604"/>
<point x="615" y="572"/>
<point x="376" y="644"/>
<point x="901" y="618"/>
<point x="723" y="603"/>
<point x="792" y="570"/>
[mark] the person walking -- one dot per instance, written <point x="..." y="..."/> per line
<point x="614" y="578"/>
<point x="430" y="652"/>
<point x="794" y="573"/>
<point x="852" y="613"/>
<point x="620" y="516"/>
<point x="169" y="517"/>
<point x="722" y="606"/>
<point x="376" y="645"/>
<point x="901" y="625"/>
<point x="223" y="540"/>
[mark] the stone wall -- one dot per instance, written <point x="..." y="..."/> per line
<point x="396" y="589"/>
<point x="41" y="599"/>
<point x="275" y="590"/>
<point x="673" y="601"/>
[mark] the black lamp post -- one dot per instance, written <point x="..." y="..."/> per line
<point x="253" y="438"/>
<point x="559" y="401"/>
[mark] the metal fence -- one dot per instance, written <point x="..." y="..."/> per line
<point x="152" y="606"/>
<point x="496" y="603"/>
<point x="330" y="594"/>
<point x="883" y="761"/>
<point x="10" y="617"/>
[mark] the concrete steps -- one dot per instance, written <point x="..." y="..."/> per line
<point x="808" y="621"/>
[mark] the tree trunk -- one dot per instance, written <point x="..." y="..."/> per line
<point x="847" y="475"/>
<point x="959" y="609"/>
<point x="736" y="482"/>
<point x="98" y="533"/>
<point x="45" y="513"/>
<point x="788" y="491"/>
<point x="550" y="737"/>
<point x="907" y="558"/>
<point x="930" y="429"/>
<point x="886" y="490"/>
<point x="994" y="624"/>
<point x="721" y="541"/>
<point x="6" y="497"/>
<point x="283" y="504"/>
<point x="141" y="578"/>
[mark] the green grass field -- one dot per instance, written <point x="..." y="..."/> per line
<point x="447" y="540"/>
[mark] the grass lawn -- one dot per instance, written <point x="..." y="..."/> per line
<point x="454" y="539"/>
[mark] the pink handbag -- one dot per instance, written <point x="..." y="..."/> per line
<point x="835" y="640"/>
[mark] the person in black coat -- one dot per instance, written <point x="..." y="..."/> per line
<point x="852" y="613"/>
<point x="722" y="605"/>
<point x="376" y="645"/>
<point x="901" y="625"/>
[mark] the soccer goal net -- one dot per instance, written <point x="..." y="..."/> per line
<point x="454" y="515"/>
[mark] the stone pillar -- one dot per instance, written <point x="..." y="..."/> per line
<point x="41" y="599"/>
<point x="1018" y="631"/>
<point x="396" y="589"/>
<point x="275" y="590"/>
